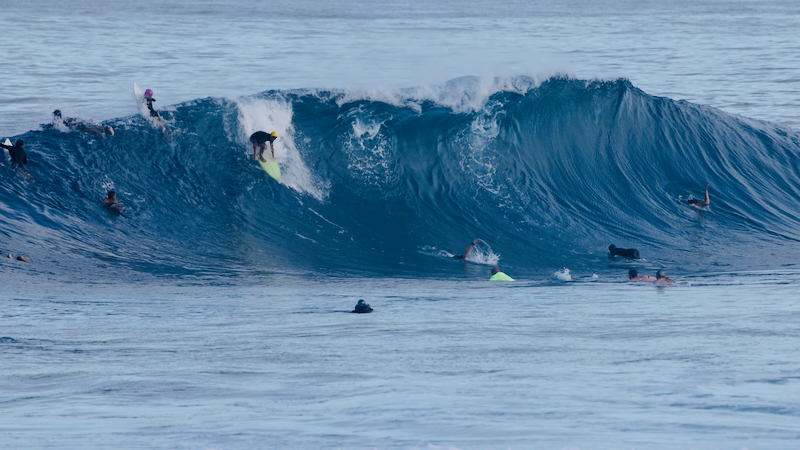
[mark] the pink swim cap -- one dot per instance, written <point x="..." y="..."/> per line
<point x="148" y="93"/>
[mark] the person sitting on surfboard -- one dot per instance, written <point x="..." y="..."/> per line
<point x="148" y="97"/>
<point x="468" y="250"/>
<point x="701" y="202"/>
<point x="77" y="124"/>
<point x="17" y="152"/>
<point x="260" y="139"/>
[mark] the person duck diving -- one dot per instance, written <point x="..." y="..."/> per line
<point x="259" y="140"/>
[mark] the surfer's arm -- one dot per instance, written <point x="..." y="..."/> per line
<point x="469" y="249"/>
<point x="7" y="147"/>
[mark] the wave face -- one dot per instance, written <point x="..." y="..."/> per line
<point x="392" y="183"/>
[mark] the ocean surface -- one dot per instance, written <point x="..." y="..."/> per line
<point x="214" y="312"/>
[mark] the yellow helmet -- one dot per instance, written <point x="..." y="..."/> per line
<point x="274" y="134"/>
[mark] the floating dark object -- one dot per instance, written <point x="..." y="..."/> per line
<point x="362" y="308"/>
<point x="631" y="253"/>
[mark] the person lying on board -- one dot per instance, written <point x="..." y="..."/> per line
<point x="468" y="250"/>
<point x="699" y="203"/>
<point x="260" y="139"/>
<point x="17" y="152"/>
<point x="662" y="279"/>
<point x="634" y="276"/>
<point x="19" y="257"/>
<point x="78" y="125"/>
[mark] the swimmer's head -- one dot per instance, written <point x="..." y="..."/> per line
<point x="148" y="93"/>
<point x="112" y="195"/>
<point x="274" y="134"/>
<point x="57" y="113"/>
<point x="660" y="274"/>
<point x="495" y="270"/>
<point x="20" y="144"/>
<point x="632" y="273"/>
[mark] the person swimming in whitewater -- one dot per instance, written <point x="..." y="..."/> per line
<point x="77" y="125"/>
<point x="259" y="140"/>
<point x="700" y="203"/>
<point x="468" y="250"/>
<point x="634" y="276"/>
<point x="148" y="97"/>
<point x="17" y="152"/>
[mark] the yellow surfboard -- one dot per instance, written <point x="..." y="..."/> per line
<point x="271" y="166"/>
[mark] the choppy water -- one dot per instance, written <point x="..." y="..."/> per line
<point x="212" y="313"/>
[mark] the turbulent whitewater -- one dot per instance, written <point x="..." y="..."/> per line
<point x="548" y="173"/>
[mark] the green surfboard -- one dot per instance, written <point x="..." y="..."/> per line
<point x="271" y="166"/>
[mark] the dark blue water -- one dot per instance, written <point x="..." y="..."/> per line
<point x="547" y="174"/>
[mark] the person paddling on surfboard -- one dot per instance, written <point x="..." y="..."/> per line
<point x="17" y="152"/>
<point x="148" y="97"/>
<point x="699" y="203"/>
<point x="260" y="139"/>
<point x="497" y="275"/>
<point x="468" y="250"/>
<point x="77" y="124"/>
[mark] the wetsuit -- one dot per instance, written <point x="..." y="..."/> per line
<point x="17" y="154"/>
<point x="153" y="112"/>
<point x="261" y="137"/>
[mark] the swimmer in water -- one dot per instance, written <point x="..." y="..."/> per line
<point x="634" y="276"/>
<point x="111" y="202"/>
<point x="78" y="125"/>
<point x="259" y="140"/>
<point x="19" y="257"/>
<point x="662" y="279"/>
<point x="468" y="250"/>
<point x="362" y="308"/>
<point x="17" y="152"/>
<point x="699" y="203"/>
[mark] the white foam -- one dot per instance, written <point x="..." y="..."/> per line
<point x="368" y="150"/>
<point x="258" y="114"/>
<point x="462" y="95"/>
<point x="562" y="275"/>
<point x="482" y="254"/>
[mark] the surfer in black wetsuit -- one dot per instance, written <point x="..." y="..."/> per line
<point x="17" y="152"/>
<point x="260" y="139"/>
<point x="468" y="250"/>
<point x="78" y="125"/>
<point x="699" y="203"/>
<point x="148" y="97"/>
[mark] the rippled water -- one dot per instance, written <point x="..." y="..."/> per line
<point x="465" y="364"/>
<point x="740" y="56"/>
